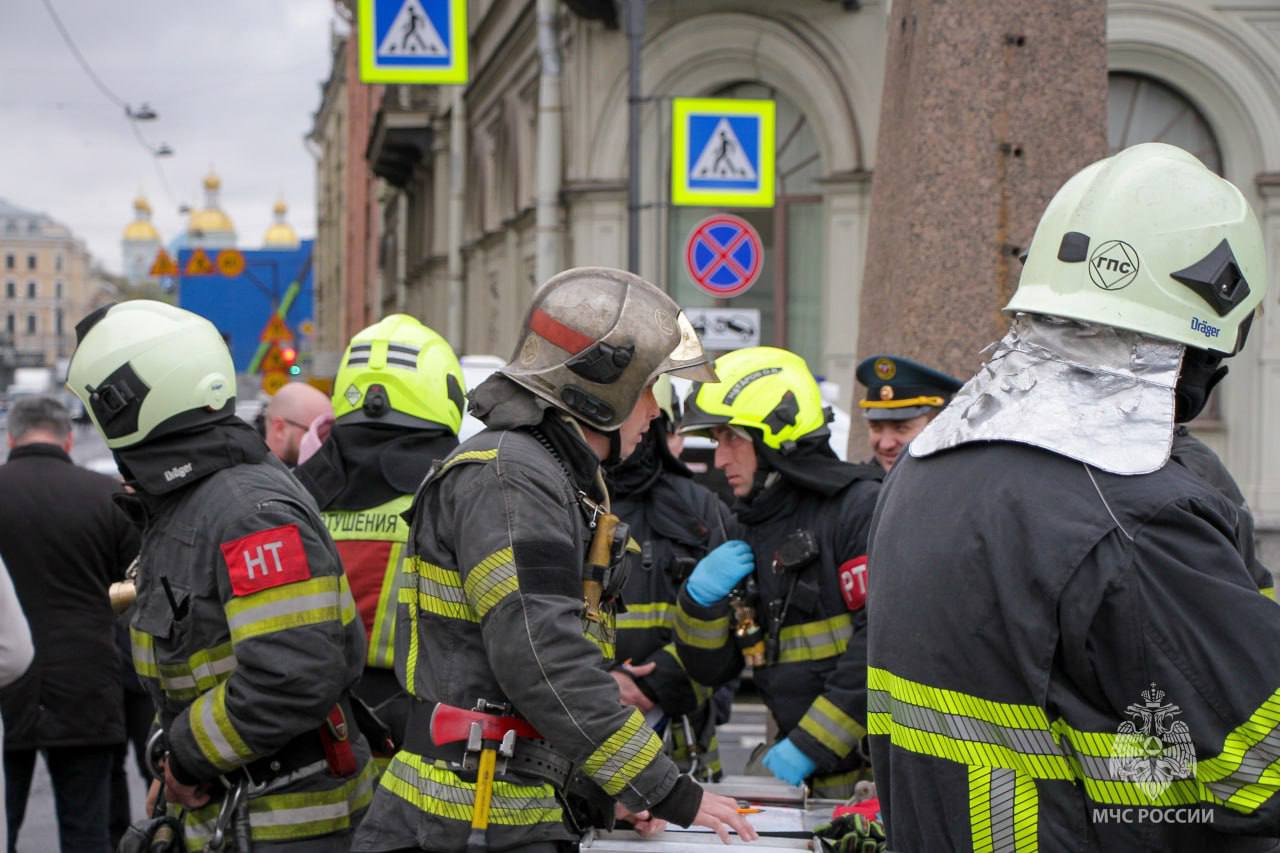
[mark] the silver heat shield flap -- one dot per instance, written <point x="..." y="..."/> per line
<point x="1096" y="394"/>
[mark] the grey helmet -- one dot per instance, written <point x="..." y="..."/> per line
<point x="596" y="337"/>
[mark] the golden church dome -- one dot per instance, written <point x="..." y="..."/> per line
<point x="140" y="230"/>
<point x="281" y="234"/>
<point x="210" y="219"/>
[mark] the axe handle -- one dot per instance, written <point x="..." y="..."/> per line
<point x="478" y="839"/>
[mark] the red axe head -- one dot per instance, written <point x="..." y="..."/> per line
<point x="450" y="725"/>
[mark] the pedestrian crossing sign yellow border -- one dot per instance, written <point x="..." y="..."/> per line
<point x="412" y="41"/>
<point x="722" y="152"/>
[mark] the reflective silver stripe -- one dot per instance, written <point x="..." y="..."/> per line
<point x="446" y="592"/>
<point x="1253" y="764"/>
<point x="1002" y="782"/>
<point x="1026" y="741"/>
<point x="286" y="607"/>
<point x="701" y="633"/>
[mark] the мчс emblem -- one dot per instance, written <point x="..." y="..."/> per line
<point x="1113" y="265"/>
<point x="1151" y="748"/>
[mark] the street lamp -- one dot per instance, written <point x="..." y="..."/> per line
<point x="142" y="113"/>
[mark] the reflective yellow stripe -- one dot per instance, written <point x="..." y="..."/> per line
<point x="658" y="614"/>
<point x="978" y="732"/>
<point x="604" y="638"/>
<point x="1268" y="592"/>
<point x="468" y="456"/>
<point x="439" y="792"/>
<point x="438" y="590"/>
<point x="623" y="755"/>
<point x="292" y="816"/>
<point x="201" y="672"/>
<point x="490" y="581"/>
<point x="382" y="523"/>
<point x="980" y="809"/>
<point x="819" y="640"/>
<point x="1245" y="774"/>
<point x="294" y="605"/>
<point x="1003" y="811"/>
<point x="831" y="727"/>
<point x="710" y="634"/>
<point x="144" y="654"/>
<point x="382" y="634"/>
<point x="409" y="598"/>
<point x="215" y="735"/>
<point x="701" y="692"/>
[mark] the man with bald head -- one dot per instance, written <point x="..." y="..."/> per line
<point x="289" y="414"/>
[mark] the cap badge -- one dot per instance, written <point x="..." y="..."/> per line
<point x="886" y="392"/>
<point x="885" y="369"/>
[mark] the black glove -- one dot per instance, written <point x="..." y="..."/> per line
<point x="851" y="833"/>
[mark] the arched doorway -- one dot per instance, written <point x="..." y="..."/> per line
<point x="1143" y="109"/>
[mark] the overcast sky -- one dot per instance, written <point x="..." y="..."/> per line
<point x="235" y="83"/>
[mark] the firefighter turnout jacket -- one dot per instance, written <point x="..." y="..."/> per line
<point x="815" y="683"/>
<point x="1066" y="659"/>
<point x="247" y="638"/>
<point x="675" y="522"/>
<point x="491" y="608"/>
<point x="363" y="479"/>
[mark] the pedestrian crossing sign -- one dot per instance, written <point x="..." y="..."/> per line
<point x="412" y="41"/>
<point x="722" y="152"/>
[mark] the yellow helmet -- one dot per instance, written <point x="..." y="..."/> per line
<point x="400" y="372"/>
<point x="766" y="389"/>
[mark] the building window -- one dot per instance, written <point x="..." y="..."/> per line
<point x="57" y="290"/>
<point x="31" y="262"/>
<point x="9" y="262"/>
<point x="57" y="321"/>
<point x="57" y="262"/>
<point x="788" y="292"/>
<point x="10" y="290"/>
<point x="31" y="290"/>
<point x="31" y="324"/>
<point x="1143" y="109"/>
<point x="8" y="324"/>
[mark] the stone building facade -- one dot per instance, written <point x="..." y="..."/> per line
<point x="455" y="236"/>
<point x="49" y="283"/>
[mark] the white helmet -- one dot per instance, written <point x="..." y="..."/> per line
<point x="1148" y="240"/>
<point x="145" y="369"/>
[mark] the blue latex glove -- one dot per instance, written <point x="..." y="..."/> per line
<point x="719" y="572"/>
<point x="788" y="763"/>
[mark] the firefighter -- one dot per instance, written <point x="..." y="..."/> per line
<point x="245" y="632"/>
<point x="398" y="402"/>
<point x="797" y="587"/>
<point x="676" y="522"/>
<point x="902" y="397"/>
<point x="1068" y="650"/>
<point x="514" y="560"/>
<point x="1197" y="457"/>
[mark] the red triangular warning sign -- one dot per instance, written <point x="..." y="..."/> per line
<point x="199" y="264"/>
<point x="164" y="264"/>
<point x="276" y="330"/>
<point x="273" y="361"/>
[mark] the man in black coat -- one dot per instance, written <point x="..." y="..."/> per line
<point x="64" y="542"/>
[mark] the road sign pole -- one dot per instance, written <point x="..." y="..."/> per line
<point x="285" y="304"/>
<point x="635" y="41"/>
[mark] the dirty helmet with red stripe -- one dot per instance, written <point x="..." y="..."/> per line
<point x="596" y="337"/>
